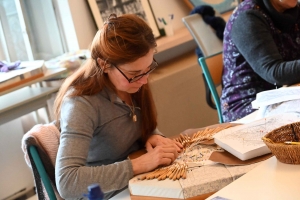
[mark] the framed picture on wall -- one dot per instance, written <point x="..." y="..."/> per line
<point x="221" y="6"/>
<point x="101" y="9"/>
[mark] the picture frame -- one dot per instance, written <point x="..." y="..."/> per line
<point x="221" y="6"/>
<point x="101" y="9"/>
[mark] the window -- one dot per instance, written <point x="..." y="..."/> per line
<point x="30" y="30"/>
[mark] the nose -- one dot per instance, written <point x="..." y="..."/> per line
<point x="144" y="79"/>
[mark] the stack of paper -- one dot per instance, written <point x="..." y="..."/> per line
<point x="27" y="69"/>
<point x="245" y="141"/>
<point x="270" y="97"/>
<point x="277" y="101"/>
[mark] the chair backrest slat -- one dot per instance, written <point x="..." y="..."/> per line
<point x="212" y="68"/>
<point x="42" y="172"/>
<point x="215" y="67"/>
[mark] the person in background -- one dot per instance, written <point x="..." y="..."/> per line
<point x="261" y="52"/>
<point x="106" y="112"/>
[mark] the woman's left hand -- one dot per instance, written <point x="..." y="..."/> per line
<point x="158" y="140"/>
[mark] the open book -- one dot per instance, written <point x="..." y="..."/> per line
<point x="245" y="141"/>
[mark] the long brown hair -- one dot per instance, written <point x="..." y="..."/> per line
<point x="121" y="40"/>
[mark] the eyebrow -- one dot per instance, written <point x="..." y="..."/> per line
<point x="135" y="71"/>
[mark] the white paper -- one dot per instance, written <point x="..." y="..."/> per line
<point x="270" y="97"/>
<point x="245" y="141"/>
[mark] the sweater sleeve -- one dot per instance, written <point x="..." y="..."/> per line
<point x="78" y="122"/>
<point x="157" y="132"/>
<point x="251" y="35"/>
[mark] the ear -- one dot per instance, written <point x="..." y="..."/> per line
<point x="102" y="64"/>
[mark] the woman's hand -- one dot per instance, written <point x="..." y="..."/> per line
<point x="158" y="140"/>
<point x="161" y="155"/>
<point x="161" y="151"/>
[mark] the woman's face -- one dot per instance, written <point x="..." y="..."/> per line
<point x="130" y="70"/>
<point x="282" y="5"/>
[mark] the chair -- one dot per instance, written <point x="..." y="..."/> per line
<point x="40" y="145"/>
<point x="38" y="164"/>
<point x="203" y="34"/>
<point x="208" y="42"/>
<point x="212" y="67"/>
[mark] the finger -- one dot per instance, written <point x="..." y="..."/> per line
<point x="169" y="149"/>
<point x="149" y="147"/>
<point x="165" y="161"/>
<point x="178" y="144"/>
<point x="166" y="140"/>
<point x="171" y="156"/>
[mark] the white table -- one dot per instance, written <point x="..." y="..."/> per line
<point x="48" y="74"/>
<point x="20" y="102"/>
<point x="269" y="180"/>
<point x="21" y="99"/>
<point x="124" y="195"/>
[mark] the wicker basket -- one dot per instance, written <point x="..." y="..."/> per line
<point x="275" y="139"/>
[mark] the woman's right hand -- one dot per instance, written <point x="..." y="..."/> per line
<point x="161" y="155"/>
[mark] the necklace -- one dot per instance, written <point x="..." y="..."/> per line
<point x="134" y="117"/>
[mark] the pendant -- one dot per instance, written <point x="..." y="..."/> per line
<point x="134" y="118"/>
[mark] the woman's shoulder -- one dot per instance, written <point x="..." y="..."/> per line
<point x="243" y="17"/>
<point x="245" y="6"/>
<point x="246" y="9"/>
<point x="86" y="100"/>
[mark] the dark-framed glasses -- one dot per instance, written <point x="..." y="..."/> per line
<point x="152" y="67"/>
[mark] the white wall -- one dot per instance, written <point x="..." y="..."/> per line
<point x="85" y="26"/>
<point x="163" y="8"/>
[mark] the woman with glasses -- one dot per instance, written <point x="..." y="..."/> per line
<point x="106" y="112"/>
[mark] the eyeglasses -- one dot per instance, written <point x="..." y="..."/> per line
<point x="152" y="67"/>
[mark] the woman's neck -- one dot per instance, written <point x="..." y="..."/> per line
<point x="276" y="4"/>
<point x="125" y="97"/>
<point x="283" y="5"/>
